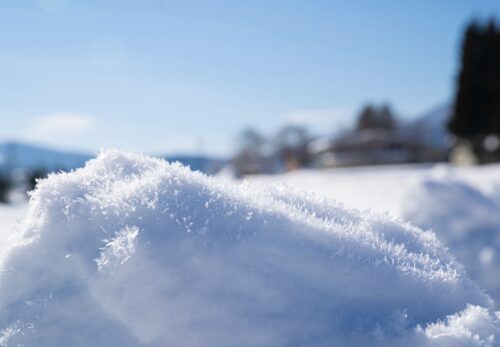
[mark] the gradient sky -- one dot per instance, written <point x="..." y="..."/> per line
<point x="186" y="76"/>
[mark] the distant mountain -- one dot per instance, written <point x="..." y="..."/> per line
<point x="16" y="155"/>
<point x="208" y="165"/>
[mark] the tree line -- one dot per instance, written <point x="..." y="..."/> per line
<point x="289" y="147"/>
<point x="26" y="183"/>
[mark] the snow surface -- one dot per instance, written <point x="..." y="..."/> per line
<point x="460" y="204"/>
<point x="133" y="251"/>
<point x="466" y="220"/>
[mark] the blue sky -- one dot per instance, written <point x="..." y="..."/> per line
<point x="186" y="76"/>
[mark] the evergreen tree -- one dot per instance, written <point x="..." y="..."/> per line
<point x="372" y="117"/>
<point x="476" y="111"/>
<point x="367" y="119"/>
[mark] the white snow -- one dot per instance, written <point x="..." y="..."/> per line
<point x="466" y="220"/>
<point x="132" y="251"/>
<point x="460" y="204"/>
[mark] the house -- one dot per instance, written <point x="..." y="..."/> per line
<point x="423" y="140"/>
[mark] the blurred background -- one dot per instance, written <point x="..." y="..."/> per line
<point x="262" y="86"/>
<point x="390" y="106"/>
<point x="247" y="87"/>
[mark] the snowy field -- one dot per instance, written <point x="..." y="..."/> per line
<point x="385" y="188"/>
<point x="10" y="215"/>
<point x="132" y="251"/>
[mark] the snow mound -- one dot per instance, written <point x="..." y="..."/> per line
<point x="133" y="251"/>
<point x="466" y="220"/>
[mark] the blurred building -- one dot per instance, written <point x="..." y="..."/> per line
<point x="420" y="141"/>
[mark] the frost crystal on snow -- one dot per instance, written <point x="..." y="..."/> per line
<point x="119" y="249"/>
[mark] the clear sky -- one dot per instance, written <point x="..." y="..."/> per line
<point x="186" y="76"/>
